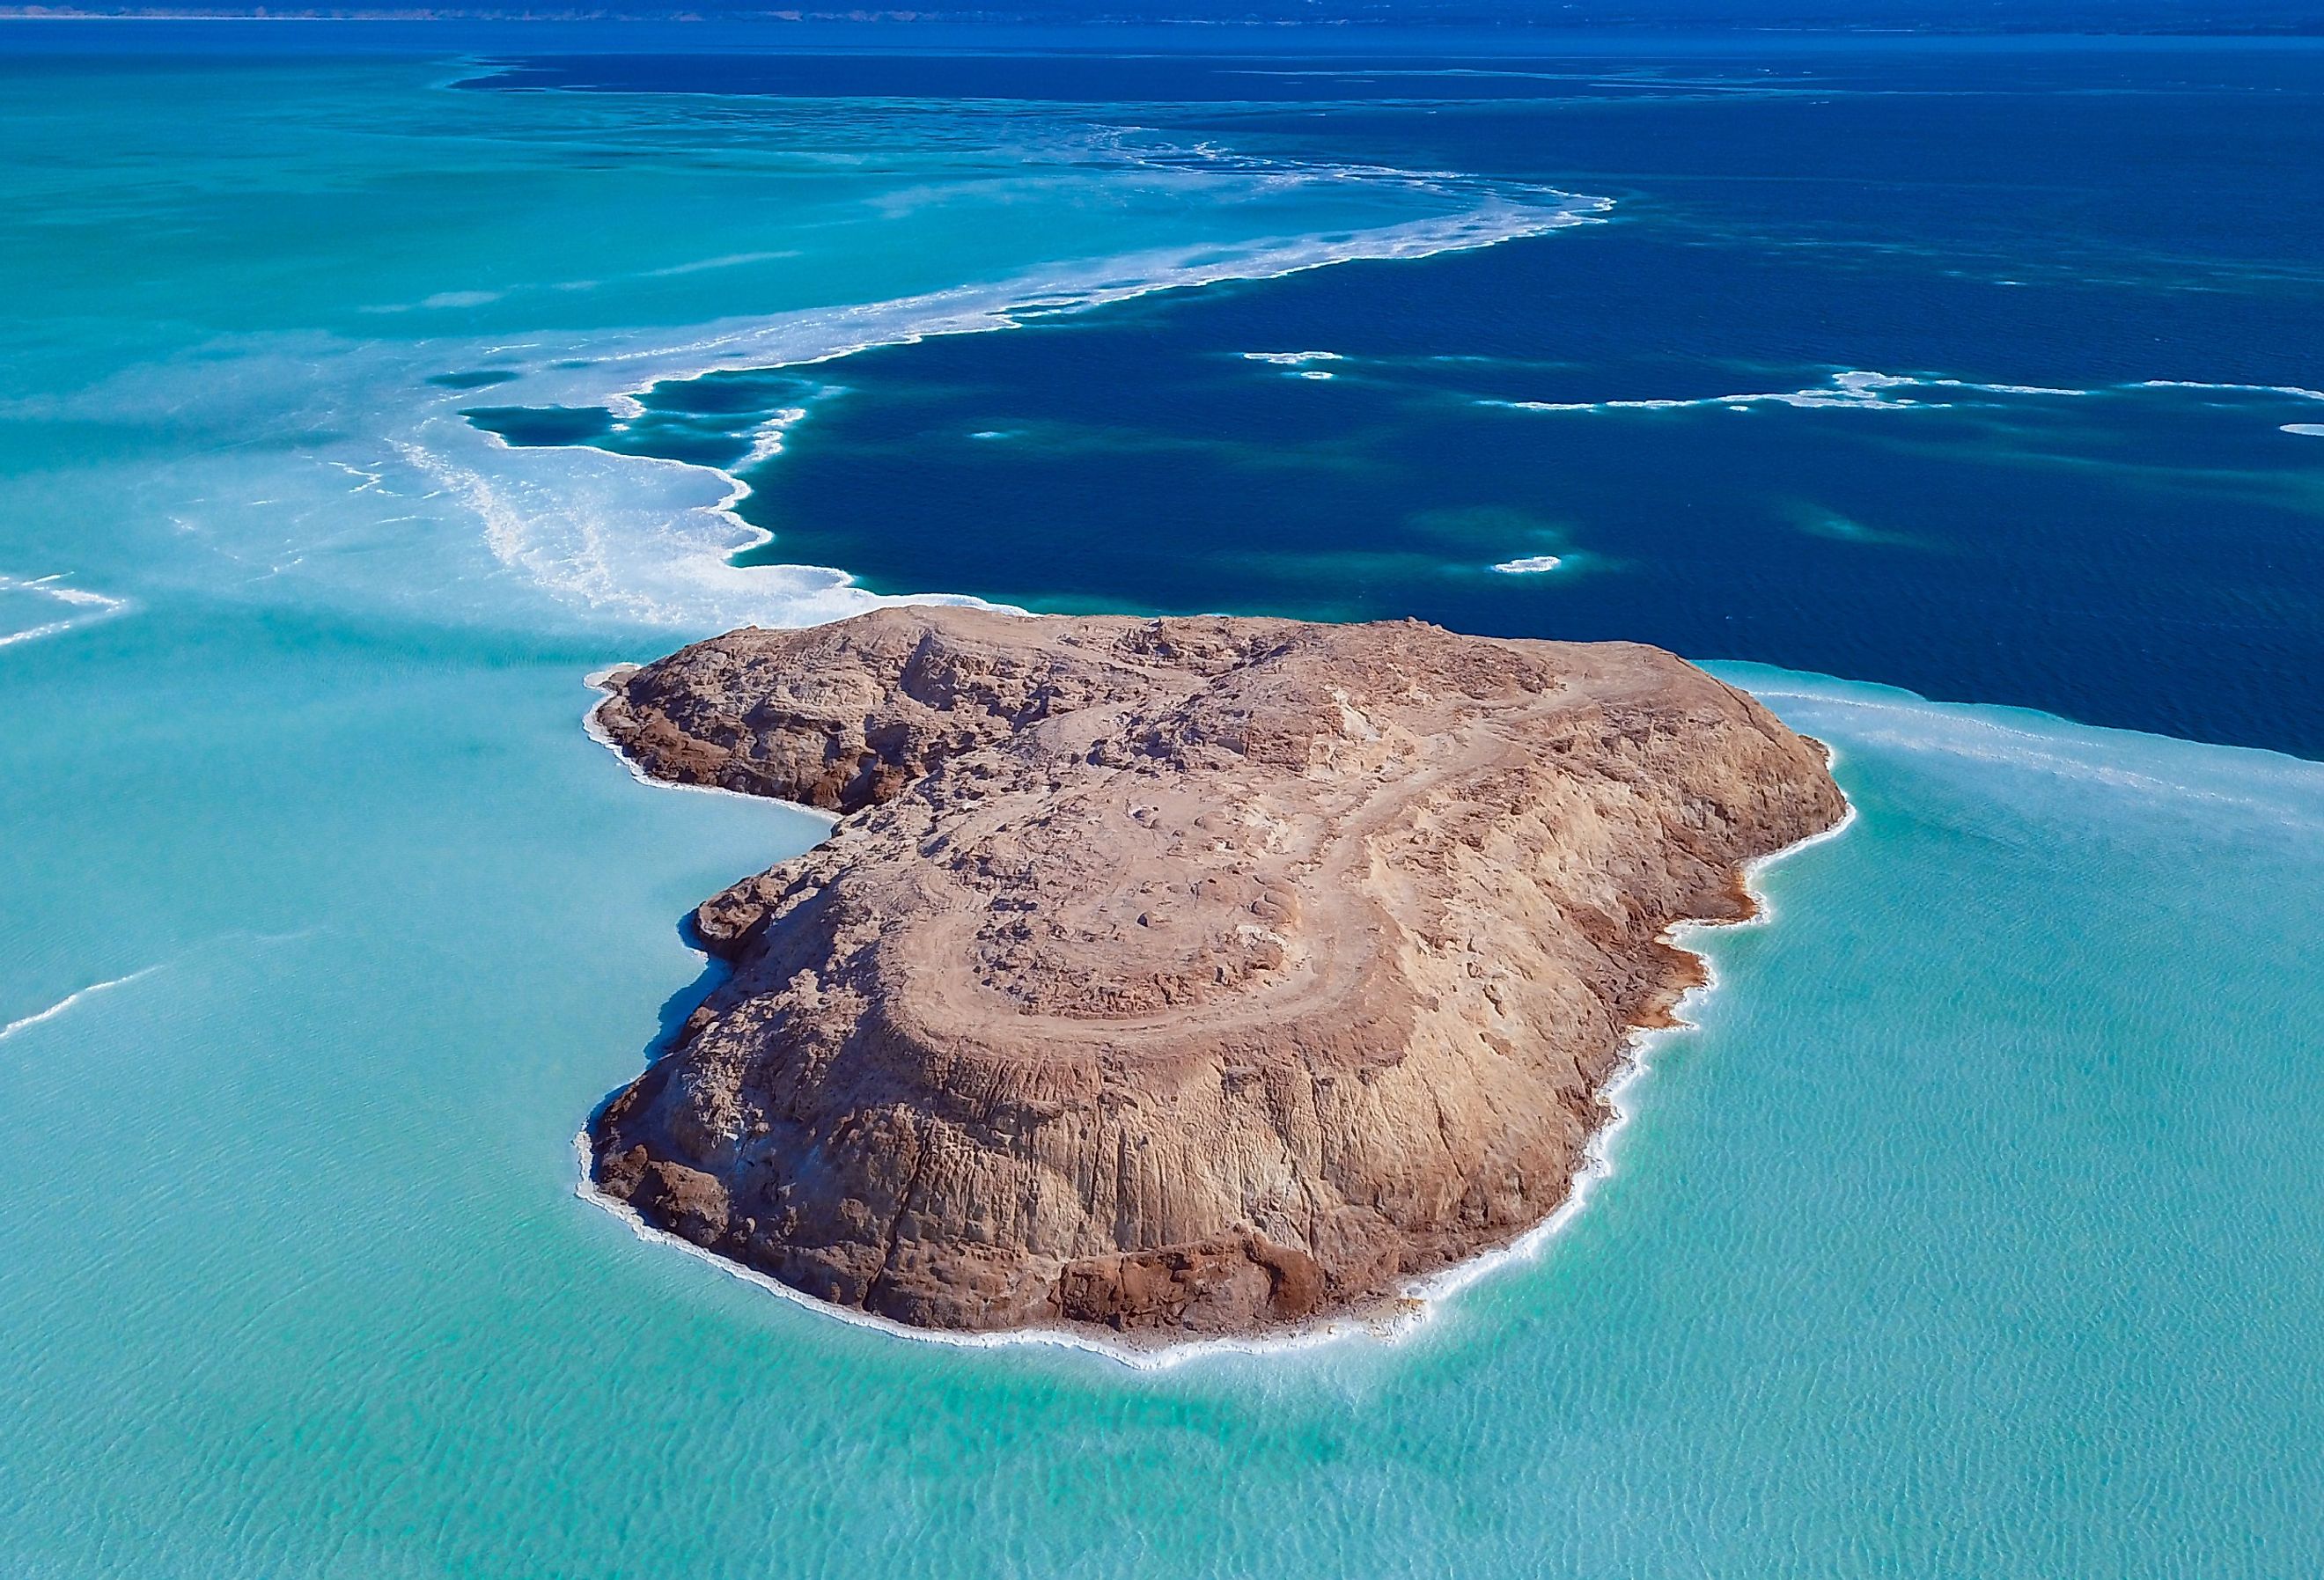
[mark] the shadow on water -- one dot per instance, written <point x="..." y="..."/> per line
<point x="670" y="1021"/>
<point x="682" y="1003"/>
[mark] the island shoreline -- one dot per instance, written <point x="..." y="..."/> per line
<point x="1416" y="1303"/>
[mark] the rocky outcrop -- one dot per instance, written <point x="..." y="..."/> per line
<point x="1182" y="976"/>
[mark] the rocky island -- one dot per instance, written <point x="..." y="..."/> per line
<point x="1176" y="977"/>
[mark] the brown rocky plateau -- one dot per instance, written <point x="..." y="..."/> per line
<point x="1179" y="977"/>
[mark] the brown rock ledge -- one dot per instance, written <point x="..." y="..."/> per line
<point x="1181" y="977"/>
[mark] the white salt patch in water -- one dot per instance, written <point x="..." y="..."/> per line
<point x="767" y="443"/>
<point x="2310" y="429"/>
<point x="653" y="541"/>
<point x="82" y="607"/>
<point x="729" y="261"/>
<point x="416" y="506"/>
<point x="79" y="997"/>
<point x="1856" y="389"/>
<point x="69" y="1000"/>
<point x="1529" y="565"/>
<point x="2293" y="391"/>
<point x="441" y="300"/>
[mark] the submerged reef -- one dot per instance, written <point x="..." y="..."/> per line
<point x="1175" y="977"/>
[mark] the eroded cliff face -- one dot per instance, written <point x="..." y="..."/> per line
<point x="1183" y="977"/>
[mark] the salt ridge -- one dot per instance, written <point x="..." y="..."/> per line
<point x="674" y="567"/>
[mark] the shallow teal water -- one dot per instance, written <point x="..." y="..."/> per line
<point x="1971" y="1234"/>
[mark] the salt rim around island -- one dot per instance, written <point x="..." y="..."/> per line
<point x="1411" y="1310"/>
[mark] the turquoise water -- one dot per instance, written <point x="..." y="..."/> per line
<point x="1972" y="1233"/>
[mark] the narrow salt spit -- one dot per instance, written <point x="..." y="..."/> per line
<point x="1530" y="564"/>
<point x="1856" y="389"/>
<point x="81" y="995"/>
<point x="2290" y="391"/>
<point x="2270" y="786"/>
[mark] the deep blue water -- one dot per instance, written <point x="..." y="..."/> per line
<point x="2080" y="219"/>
